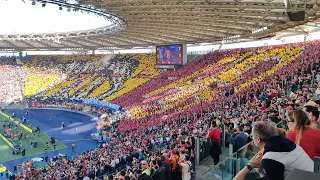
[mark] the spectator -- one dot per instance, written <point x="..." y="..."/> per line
<point x="311" y="108"/>
<point x="280" y="155"/>
<point x="303" y="134"/>
<point x="145" y="171"/>
<point x="174" y="159"/>
<point x="239" y="139"/>
<point x="159" y="171"/>
<point x="166" y="165"/>
<point x="185" y="168"/>
<point x="215" y="147"/>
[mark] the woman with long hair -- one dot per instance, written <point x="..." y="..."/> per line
<point x="303" y="133"/>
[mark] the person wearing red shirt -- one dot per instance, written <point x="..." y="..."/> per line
<point x="303" y="134"/>
<point x="215" y="148"/>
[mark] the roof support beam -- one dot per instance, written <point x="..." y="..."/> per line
<point x="43" y="43"/>
<point x="27" y="44"/>
<point x="92" y="42"/>
<point x="10" y="43"/>
<point x="212" y="23"/>
<point x="106" y="39"/>
<point x="64" y="44"/>
<point x="126" y="41"/>
<point x="175" y="36"/>
<point x="78" y="43"/>
<point x="198" y="30"/>
<point x="143" y="40"/>
<point x="185" y="32"/>
<point x="258" y="20"/>
<point x="154" y="35"/>
<point x="206" y="13"/>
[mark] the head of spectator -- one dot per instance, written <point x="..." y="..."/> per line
<point x="312" y="113"/>
<point x="144" y="165"/>
<point x="110" y="177"/>
<point x="262" y="131"/>
<point x="240" y="129"/>
<point x="122" y="174"/>
<point x="300" y="121"/>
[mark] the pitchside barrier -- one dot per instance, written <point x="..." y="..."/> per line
<point x="17" y="122"/>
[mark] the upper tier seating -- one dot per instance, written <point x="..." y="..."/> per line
<point x="232" y="75"/>
<point x="9" y="79"/>
<point x="43" y="72"/>
<point x="100" y="77"/>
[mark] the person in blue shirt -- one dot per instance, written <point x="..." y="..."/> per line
<point x="239" y="138"/>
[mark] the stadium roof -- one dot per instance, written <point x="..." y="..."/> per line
<point x="145" y="23"/>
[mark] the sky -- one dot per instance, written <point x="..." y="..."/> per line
<point x="17" y="17"/>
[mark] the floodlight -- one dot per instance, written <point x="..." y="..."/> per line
<point x="33" y="3"/>
<point x="60" y="7"/>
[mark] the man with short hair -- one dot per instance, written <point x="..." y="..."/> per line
<point x="145" y="175"/>
<point x="239" y="139"/>
<point x="280" y="155"/>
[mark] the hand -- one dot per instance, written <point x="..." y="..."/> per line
<point x="255" y="162"/>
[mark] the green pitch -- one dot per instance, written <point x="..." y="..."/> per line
<point x="6" y="150"/>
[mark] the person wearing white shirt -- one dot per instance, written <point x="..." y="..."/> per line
<point x="185" y="168"/>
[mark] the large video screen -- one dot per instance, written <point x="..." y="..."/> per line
<point x="169" y="54"/>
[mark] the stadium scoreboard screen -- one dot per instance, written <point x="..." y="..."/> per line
<point x="170" y="55"/>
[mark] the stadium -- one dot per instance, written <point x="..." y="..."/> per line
<point x="159" y="89"/>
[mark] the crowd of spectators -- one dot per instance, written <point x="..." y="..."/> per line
<point x="160" y="145"/>
<point x="10" y="77"/>
<point x="87" y="76"/>
<point x="44" y="72"/>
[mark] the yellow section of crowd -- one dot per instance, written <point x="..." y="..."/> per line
<point x="35" y="83"/>
<point x="209" y="80"/>
<point x="285" y="55"/>
<point x="60" y="86"/>
<point x="231" y="74"/>
<point x="40" y="73"/>
<point x="96" y="92"/>
<point x="146" y="67"/>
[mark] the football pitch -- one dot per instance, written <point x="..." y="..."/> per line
<point x="40" y="138"/>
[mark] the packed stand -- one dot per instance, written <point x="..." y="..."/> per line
<point x="260" y="94"/>
<point x="192" y="93"/>
<point x="87" y="76"/>
<point x="10" y="77"/>
<point x="44" y="72"/>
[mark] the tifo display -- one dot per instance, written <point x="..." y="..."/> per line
<point x="154" y="119"/>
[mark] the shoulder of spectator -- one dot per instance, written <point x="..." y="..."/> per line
<point x="273" y="170"/>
